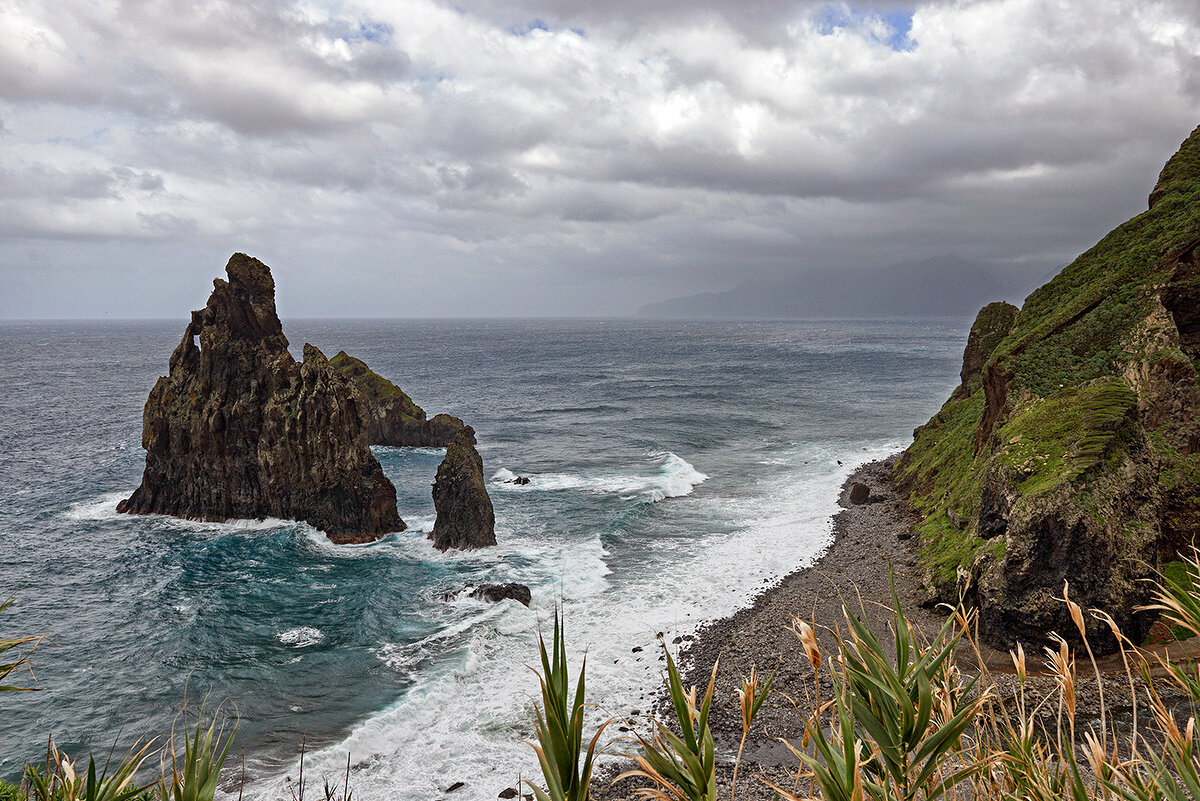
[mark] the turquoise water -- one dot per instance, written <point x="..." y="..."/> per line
<point x="675" y="468"/>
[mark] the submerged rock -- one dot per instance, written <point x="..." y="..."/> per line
<point x="465" y="518"/>
<point x="392" y="417"/>
<point x="495" y="593"/>
<point x="239" y="429"/>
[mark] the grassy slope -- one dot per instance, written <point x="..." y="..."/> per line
<point x="1063" y="358"/>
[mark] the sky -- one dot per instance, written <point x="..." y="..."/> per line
<point x="420" y="158"/>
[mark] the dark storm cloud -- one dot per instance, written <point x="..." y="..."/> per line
<point x="568" y="157"/>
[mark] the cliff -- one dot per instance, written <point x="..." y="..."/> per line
<point x="1071" y="450"/>
<point x="465" y="518"/>
<point x="239" y="429"/>
<point x="392" y="417"/>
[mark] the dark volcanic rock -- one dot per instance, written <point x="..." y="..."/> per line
<point x="239" y="429"/>
<point x="465" y="518"/>
<point x="439" y="431"/>
<point x="392" y="417"/>
<point x="520" y="481"/>
<point x="991" y="326"/>
<point x="495" y="593"/>
<point x="859" y="493"/>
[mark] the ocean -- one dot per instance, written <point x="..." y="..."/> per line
<point x="676" y="468"/>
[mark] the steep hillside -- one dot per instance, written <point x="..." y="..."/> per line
<point x="1071" y="451"/>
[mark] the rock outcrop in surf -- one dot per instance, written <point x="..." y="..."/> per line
<point x="239" y="429"/>
<point x="392" y="416"/>
<point x="465" y="519"/>
<point x="1071" y="451"/>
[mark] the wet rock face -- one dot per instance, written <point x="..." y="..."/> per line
<point x="239" y="429"/>
<point x="991" y="326"/>
<point x="465" y="518"/>
<point x="1051" y="540"/>
<point x="392" y="417"/>
<point x="495" y="593"/>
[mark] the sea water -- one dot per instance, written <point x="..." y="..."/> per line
<point x="675" y="469"/>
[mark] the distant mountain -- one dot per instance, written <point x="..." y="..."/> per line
<point x="943" y="286"/>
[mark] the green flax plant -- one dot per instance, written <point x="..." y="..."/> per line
<point x="559" y="724"/>
<point x="683" y="766"/>
<point x="59" y="782"/>
<point x="896" y="723"/>
<point x="1170" y="771"/>
<point x="19" y="650"/>
<point x="910" y="708"/>
<point x="194" y="773"/>
<point x="750" y="697"/>
<point x="1177" y="599"/>
<point x="835" y="765"/>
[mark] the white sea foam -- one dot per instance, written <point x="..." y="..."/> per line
<point x="265" y="524"/>
<point x="319" y="542"/>
<point x="301" y="636"/>
<point x="104" y="507"/>
<point x="504" y="476"/>
<point x="409" y="449"/>
<point x="414" y="749"/>
<point x="422" y="523"/>
<point x="101" y="508"/>
<point x="673" y="478"/>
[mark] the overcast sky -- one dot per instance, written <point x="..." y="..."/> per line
<point x="490" y="157"/>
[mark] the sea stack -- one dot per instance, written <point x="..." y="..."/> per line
<point x="392" y="417"/>
<point x="239" y="429"/>
<point x="465" y="519"/>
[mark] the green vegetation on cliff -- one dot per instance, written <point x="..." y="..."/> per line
<point x="1075" y="422"/>
<point x="373" y="386"/>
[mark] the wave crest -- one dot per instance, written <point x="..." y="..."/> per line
<point x="673" y="478"/>
<point x="301" y="636"/>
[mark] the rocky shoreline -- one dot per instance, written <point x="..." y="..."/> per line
<point x="868" y="539"/>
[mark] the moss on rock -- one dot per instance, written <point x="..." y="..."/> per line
<point x="374" y="387"/>
<point x="1075" y="422"/>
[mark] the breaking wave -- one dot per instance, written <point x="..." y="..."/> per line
<point x="674" y="478"/>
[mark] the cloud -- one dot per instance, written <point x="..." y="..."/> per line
<point x="652" y="148"/>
